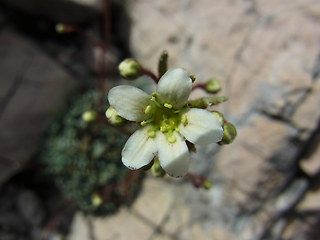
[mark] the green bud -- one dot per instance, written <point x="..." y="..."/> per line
<point x="129" y="69"/>
<point x="114" y="118"/>
<point x="60" y="28"/>
<point x="96" y="200"/>
<point x="89" y="116"/>
<point x="207" y="184"/>
<point x="213" y="85"/>
<point x="163" y="63"/>
<point x="229" y="133"/>
<point x="206" y="101"/>
<point x="220" y="116"/>
<point x="156" y="169"/>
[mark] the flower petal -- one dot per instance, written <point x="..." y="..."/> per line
<point x="129" y="102"/>
<point x="175" y="87"/>
<point x="139" y="150"/>
<point x="174" y="157"/>
<point x="202" y="127"/>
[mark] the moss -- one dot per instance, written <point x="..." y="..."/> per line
<point x="84" y="159"/>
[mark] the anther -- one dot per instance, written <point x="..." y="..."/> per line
<point x="184" y="120"/>
<point x="167" y="105"/>
<point x="171" y="138"/>
<point x="148" y="109"/>
<point x="154" y="99"/>
<point x="151" y="133"/>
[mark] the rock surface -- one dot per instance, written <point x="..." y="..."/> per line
<point x="65" y="11"/>
<point x="267" y="55"/>
<point x="32" y="89"/>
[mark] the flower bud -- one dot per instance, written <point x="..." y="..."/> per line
<point x="65" y="28"/>
<point x="220" y="116"/>
<point x="207" y="184"/>
<point x="213" y="85"/>
<point x="114" y="118"/>
<point x="89" y="116"/>
<point x="129" y="69"/>
<point x="156" y="169"/>
<point x="96" y="200"/>
<point x="229" y="133"/>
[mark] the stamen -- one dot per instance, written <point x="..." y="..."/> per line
<point x="151" y="133"/>
<point x="145" y="122"/>
<point x="164" y="128"/>
<point x="154" y="99"/>
<point x="148" y="109"/>
<point x="184" y="120"/>
<point x="168" y="105"/>
<point x="171" y="138"/>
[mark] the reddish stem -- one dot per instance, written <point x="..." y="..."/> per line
<point x="55" y="219"/>
<point x="75" y="29"/>
<point x="106" y="22"/>
<point x="196" y="180"/>
<point x="199" y="85"/>
<point x="150" y="74"/>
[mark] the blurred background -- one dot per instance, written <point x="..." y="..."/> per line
<point x="265" y="185"/>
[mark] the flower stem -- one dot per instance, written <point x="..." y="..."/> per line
<point x="196" y="180"/>
<point x="199" y="85"/>
<point x="150" y="74"/>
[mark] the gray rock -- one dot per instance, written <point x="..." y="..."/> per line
<point x="32" y="89"/>
<point x="65" y="11"/>
<point x="30" y="208"/>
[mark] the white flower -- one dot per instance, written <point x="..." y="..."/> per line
<point x="166" y="122"/>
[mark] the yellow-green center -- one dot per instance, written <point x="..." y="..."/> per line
<point x="164" y="118"/>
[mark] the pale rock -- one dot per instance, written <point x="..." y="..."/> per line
<point x="244" y="162"/>
<point x="264" y="52"/>
<point x="310" y="163"/>
<point x="124" y="225"/>
<point x="154" y="202"/>
<point x="310" y="202"/>
<point x="306" y="118"/>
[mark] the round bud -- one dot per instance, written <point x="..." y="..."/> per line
<point x="156" y="169"/>
<point x="114" y="118"/>
<point x="229" y="133"/>
<point x="130" y="69"/>
<point x="89" y="116"/>
<point x="220" y="116"/>
<point x="213" y="85"/>
<point x="207" y="184"/>
<point x="96" y="200"/>
<point x="60" y="28"/>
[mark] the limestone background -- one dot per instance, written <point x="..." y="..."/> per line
<point x="266" y="184"/>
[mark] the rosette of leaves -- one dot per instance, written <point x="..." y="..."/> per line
<point x="84" y="159"/>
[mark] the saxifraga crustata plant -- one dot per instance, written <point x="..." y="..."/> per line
<point x="82" y="155"/>
<point x="170" y="125"/>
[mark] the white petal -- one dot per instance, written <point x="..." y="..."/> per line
<point x="139" y="150"/>
<point x="174" y="157"/>
<point x="129" y="102"/>
<point x="202" y="127"/>
<point x="175" y="87"/>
